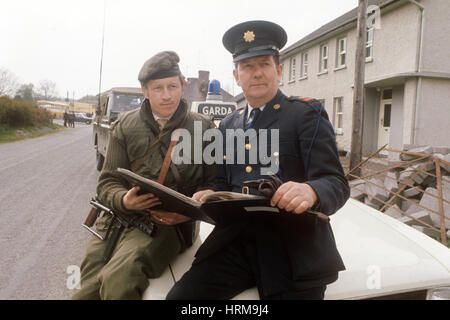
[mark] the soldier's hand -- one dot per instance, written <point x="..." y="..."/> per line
<point x="294" y="197"/>
<point x="133" y="201"/>
<point x="198" y="195"/>
<point x="167" y="217"/>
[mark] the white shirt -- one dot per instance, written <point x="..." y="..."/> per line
<point x="250" y="108"/>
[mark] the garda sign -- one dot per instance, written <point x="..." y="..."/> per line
<point x="216" y="110"/>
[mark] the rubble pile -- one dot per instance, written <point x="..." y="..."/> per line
<point x="408" y="190"/>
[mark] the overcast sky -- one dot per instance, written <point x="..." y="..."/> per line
<point x="60" y="40"/>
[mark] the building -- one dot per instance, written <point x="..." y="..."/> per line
<point x="407" y="73"/>
<point x="197" y="89"/>
<point x="57" y="108"/>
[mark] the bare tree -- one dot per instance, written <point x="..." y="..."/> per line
<point x="8" y="83"/>
<point x="47" y="90"/>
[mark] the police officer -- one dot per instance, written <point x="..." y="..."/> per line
<point x="137" y="256"/>
<point x="287" y="256"/>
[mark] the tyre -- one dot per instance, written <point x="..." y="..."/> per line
<point x="100" y="161"/>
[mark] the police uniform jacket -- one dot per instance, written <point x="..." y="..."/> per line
<point x="305" y="246"/>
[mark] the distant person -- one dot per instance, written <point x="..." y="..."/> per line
<point x="65" y="118"/>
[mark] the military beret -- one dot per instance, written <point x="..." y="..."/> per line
<point x="254" y="38"/>
<point x="161" y="65"/>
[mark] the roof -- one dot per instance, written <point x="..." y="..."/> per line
<point x="343" y="20"/>
<point x="126" y="90"/>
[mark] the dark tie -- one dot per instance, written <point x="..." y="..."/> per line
<point x="254" y="114"/>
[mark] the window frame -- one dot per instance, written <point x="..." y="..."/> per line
<point x="304" y="65"/>
<point x="323" y="58"/>
<point x="341" y="52"/>
<point x="292" y="67"/>
<point x="369" y="44"/>
<point x="338" y="115"/>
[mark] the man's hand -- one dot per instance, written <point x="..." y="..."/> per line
<point x="131" y="201"/>
<point x="198" y="195"/>
<point x="167" y="217"/>
<point x="294" y="197"/>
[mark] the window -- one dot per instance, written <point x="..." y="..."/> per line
<point x="292" y="69"/>
<point x="341" y="52"/>
<point x="323" y="58"/>
<point x="369" y="44"/>
<point x="304" y="65"/>
<point x="338" y="115"/>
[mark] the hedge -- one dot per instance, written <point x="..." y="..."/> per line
<point x="17" y="113"/>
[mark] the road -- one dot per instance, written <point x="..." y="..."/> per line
<point x="45" y="187"/>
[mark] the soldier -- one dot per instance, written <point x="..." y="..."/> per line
<point x="65" y="117"/>
<point x="290" y="256"/>
<point x="133" y="145"/>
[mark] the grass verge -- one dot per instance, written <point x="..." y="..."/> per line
<point x="11" y="134"/>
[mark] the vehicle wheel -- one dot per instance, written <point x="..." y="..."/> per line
<point x="100" y="161"/>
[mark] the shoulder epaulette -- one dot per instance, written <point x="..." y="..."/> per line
<point x="301" y="99"/>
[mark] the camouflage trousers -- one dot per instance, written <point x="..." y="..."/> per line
<point x="136" y="258"/>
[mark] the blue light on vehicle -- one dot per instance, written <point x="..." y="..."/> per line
<point x="214" y="87"/>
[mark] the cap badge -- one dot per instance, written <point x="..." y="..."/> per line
<point x="249" y="36"/>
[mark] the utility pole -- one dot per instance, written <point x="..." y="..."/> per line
<point x="358" y="93"/>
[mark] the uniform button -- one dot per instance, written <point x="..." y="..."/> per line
<point x="276" y="107"/>
<point x="248" y="146"/>
<point x="248" y="169"/>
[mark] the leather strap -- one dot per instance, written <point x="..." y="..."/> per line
<point x="168" y="158"/>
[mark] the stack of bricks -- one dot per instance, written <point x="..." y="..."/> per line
<point x="410" y="190"/>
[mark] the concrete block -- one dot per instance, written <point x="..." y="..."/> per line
<point x="441" y="149"/>
<point x="357" y="194"/>
<point x="429" y="232"/>
<point x="424" y="150"/>
<point x="373" y="203"/>
<point x="356" y="182"/>
<point x="373" y="189"/>
<point x="405" y="175"/>
<point x="447" y="159"/>
<point x="407" y="157"/>
<point x="393" y="212"/>
<point x="411" y="192"/>
<point x="421" y="216"/>
<point x="432" y="203"/>
<point x="429" y="182"/>
<point x="389" y="181"/>
<point x="412" y="207"/>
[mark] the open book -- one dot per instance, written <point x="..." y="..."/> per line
<point x="215" y="208"/>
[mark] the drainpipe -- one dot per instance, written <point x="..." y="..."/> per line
<point x="419" y="70"/>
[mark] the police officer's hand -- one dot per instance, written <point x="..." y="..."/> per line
<point x="294" y="197"/>
<point x="167" y="217"/>
<point x="133" y="201"/>
<point x="198" y="195"/>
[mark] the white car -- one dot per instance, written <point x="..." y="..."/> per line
<point x="384" y="258"/>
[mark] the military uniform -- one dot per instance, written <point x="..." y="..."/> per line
<point x="138" y="257"/>
<point x="286" y="256"/>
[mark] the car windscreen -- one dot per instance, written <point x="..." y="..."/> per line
<point x="125" y="102"/>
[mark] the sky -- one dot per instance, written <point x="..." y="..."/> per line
<point x="61" y="40"/>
